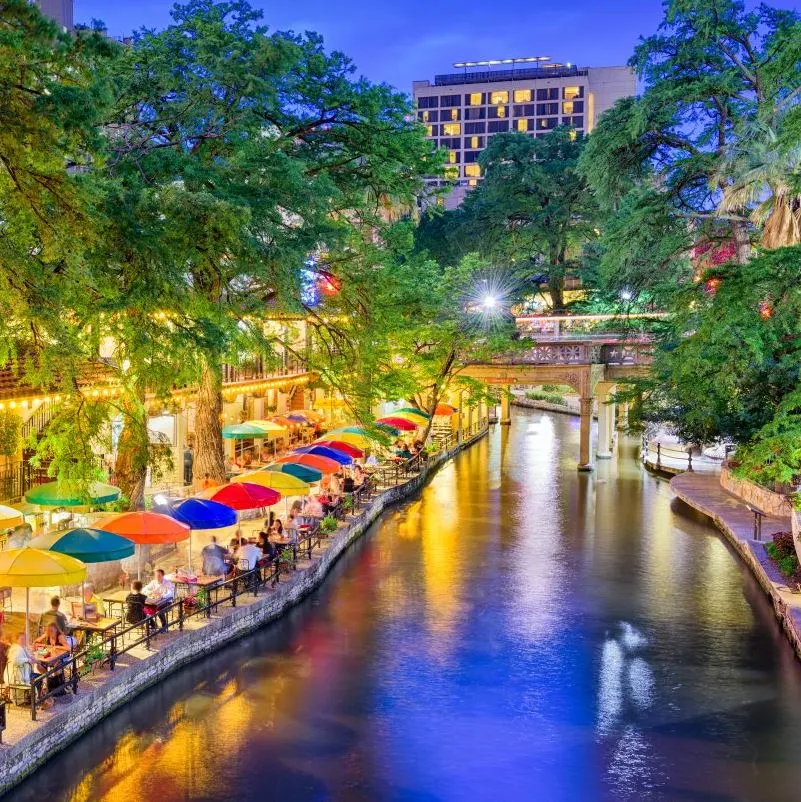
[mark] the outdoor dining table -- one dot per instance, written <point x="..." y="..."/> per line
<point x="50" y="656"/>
<point x="200" y="582"/>
<point x="102" y="626"/>
<point x="113" y="599"/>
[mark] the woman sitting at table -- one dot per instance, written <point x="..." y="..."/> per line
<point x="52" y="637"/>
<point x="358" y="476"/>
<point x="267" y="549"/>
<point x="90" y="597"/>
<point x="313" y="508"/>
<point x="52" y="640"/>
<point x="278" y="528"/>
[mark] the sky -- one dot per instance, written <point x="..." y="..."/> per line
<point x="399" y="41"/>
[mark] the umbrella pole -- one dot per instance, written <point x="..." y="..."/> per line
<point x="83" y="598"/>
<point x="28" y="618"/>
<point x="190" y="549"/>
<point x="138" y="562"/>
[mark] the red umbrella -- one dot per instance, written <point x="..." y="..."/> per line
<point x="145" y="528"/>
<point x="243" y="496"/>
<point x="398" y="423"/>
<point x="343" y="448"/>
<point x="322" y="464"/>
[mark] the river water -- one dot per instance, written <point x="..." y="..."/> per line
<point x="518" y="632"/>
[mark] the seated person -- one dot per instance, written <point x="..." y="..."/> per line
<point x="160" y="594"/>
<point x="135" y="604"/>
<point x="247" y="460"/>
<point x="19" y="663"/>
<point x="268" y="550"/>
<point x="313" y="508"/>
<point x="403" y="452"/>
<point x="213" y="559"/>
<point x="278" y="528"/>
<point x="92" y="600"/>
<point x="248" y="556"/>
<point x="348" y="484"/>
<point x="371" y="461"/>
<point x="358" y="476"/>
<point x="54" y="616"/>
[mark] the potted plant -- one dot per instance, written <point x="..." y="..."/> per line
<point x="328" y="524"/>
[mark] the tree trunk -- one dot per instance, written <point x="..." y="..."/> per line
<point x="209" y="453"/>
<point x="742" y="241"/>
<point x="133" y="451"/>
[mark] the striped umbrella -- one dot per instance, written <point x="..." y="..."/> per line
<point x="343" y="446"/>
<point x="302" y="472"/>
<point x="86" y="545"/>
<point x="358" y="441"/>
<point x="321" y="450"/>
<point x="287" y="485"/>
<point x="323" y="464"/>
<point x="243" y="495"/>
<point x="56" y="494"/>
<point x="399" y="423"/>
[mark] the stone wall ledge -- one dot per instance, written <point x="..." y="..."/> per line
<point x="774" y="504"/>
<point x="529" y="403"/>
<point x="91" y="705"/>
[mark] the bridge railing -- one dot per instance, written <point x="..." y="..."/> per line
<point x="585" y="352"/>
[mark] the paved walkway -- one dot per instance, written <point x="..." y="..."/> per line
<point x="731" y="515"/>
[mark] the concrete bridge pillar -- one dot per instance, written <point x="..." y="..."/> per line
<point x="585" y="435"/>
<point x="606" y="420"/>
<point x="506" y="407"/>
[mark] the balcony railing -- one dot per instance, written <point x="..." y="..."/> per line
<point x="261" y="369"/>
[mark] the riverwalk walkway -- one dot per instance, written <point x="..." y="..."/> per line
<point x="735" y="520"/>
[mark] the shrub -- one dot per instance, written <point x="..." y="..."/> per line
<point x="785" y="546"/>
<point x="328" y="524"/>
<point x="555" y="388"/>
<point x="788" y="565"/>
<point x="550" y="398"/>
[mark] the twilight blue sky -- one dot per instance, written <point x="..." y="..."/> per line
<point x="404" y="40"/>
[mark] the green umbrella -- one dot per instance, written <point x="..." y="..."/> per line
<point x="54" y="494"/>
<point x="410" y="409"/>
<point x="243" y="431"/>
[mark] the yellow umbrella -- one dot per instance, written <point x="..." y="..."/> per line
<point x="35" y="568"/>
<point x="10" y="517"/>
<point x="351" y="438"/>
<point x="285" y="483"/>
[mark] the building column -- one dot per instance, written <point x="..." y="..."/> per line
<point x="585" y="435"/>
<point x="506" y="407"/>
<point x="606" y="420"/>
<point x="180" y="445"/>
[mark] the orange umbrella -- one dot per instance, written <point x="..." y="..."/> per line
<point x="282" y="421"/>
<point x="445" y="409"/>
<point x="145" y="528"/>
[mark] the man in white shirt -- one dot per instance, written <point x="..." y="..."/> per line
<point x="248" y="553"/>
<point x="159" y="594"/>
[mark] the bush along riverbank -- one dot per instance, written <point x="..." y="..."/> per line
<point x="27" y="744"/>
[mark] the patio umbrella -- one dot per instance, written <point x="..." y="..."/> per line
<point x="311" y="414"/>
<point x="415" y="416"/>
<point x="55" y="494"/>
<point x="343" y="446"/>
<point x="200" y="513"/>
<point x="286" y="485"/>
<point x="299" y="417"/>
<point x="10" y="517"/>
<point x="243" y="496"/>
<point x="445" y="410"/>
<point x="243" y="431"/>
<point x="323" y="464"/>
<point x="268" y="427"/>
<point x="146" y="529"/>
<point x="302" y="472"/>
<point x="33" y="568"/>
<point x="287" y="423"/>
<point x="358" y="441"/>
<point x="399" y="423"/>
<point x="412" y="411"/>
<point x="324" y="451"/>
<point x="86" y="545"/>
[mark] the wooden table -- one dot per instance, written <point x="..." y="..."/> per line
<point x="201" y="582"/>
<point x="56" y="655"/>
<point x="102" y="625"/>
<point x="116" y="598"/>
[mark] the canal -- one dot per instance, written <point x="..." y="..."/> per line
<point x="518" y="632"/>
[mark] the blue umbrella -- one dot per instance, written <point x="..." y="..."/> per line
<point x="302" y="472"/>
<point x="322" y="451"/>
<point x="199" y="513"/>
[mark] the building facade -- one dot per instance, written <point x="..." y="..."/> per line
<point x="60" y="10"/>
<point x="462" y="110"/>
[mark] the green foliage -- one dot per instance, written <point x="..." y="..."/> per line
<point x="10" y="432"/>
<point x="328" y="524"/>
<point x="551" y="398"/>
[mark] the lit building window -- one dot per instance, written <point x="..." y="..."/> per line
<point x="429" y="130"/>
<point x="451" y="173"/>
<point x="475" y="99"/>
<point x="522" y="125"/>
<point x="472" y="182"/>
<point x="499" y="97"/>
<point x="451" y="129"/>
<point x="522" y="95"/>
<point x="452" y="156"/>
<point x="472" y="170"/>
<point x="543" y="123"/>
<point x="454" y="114"/>
<point x="473" y="141"/>
<point x="567" y="107"/>
<point x="501" y="111"/>
<point x="572" y="92"/>
<point x="426" y="116"/>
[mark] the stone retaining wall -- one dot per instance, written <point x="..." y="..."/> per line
<point x="774" y="504"/>
<point x="530" y="403"/>
<point x="90" y="706"/>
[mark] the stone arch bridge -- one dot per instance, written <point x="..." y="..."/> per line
<point x="592" y="366"/>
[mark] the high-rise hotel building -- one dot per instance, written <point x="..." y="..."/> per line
<point x="59" y="10"/>
<point x="462" y="110"/>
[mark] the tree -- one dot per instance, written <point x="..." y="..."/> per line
<point x="711" y="71"/>
<point x="263" y="149"/>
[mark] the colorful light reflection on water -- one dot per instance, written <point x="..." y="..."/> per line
<point x="518" y="632"/>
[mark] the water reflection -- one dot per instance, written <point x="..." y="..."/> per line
<point x="518" y="632"/>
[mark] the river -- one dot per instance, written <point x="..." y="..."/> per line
<point x="519" y="631"/>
